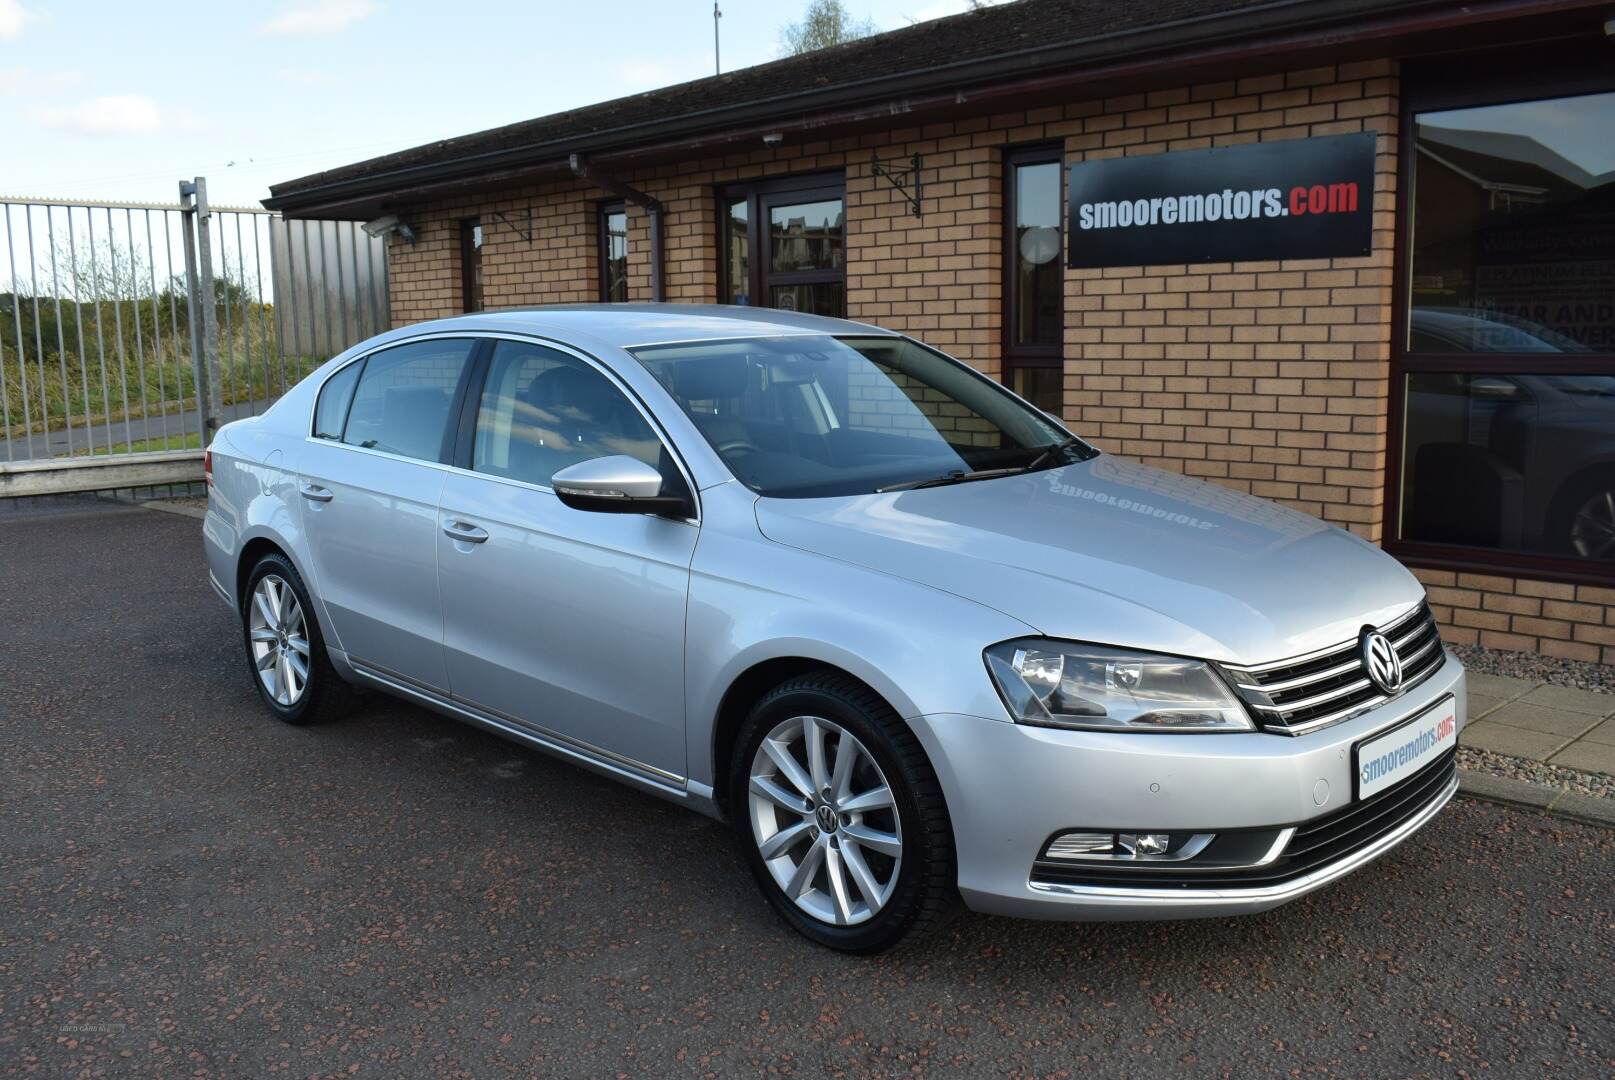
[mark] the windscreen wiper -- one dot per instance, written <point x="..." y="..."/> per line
<point x="957" y="476"/>
<point x="1049" y="451"/>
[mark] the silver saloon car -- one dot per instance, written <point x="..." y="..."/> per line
<point x="915" y="640"/>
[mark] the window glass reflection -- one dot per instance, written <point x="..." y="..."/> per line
<point x="805" y="236"/>
<point x="1515" y="462"/>
<point x="1514" y="228"/>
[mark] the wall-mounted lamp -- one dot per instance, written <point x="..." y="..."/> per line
<point x="773" y="138"/>
<point x="389" y="223"/>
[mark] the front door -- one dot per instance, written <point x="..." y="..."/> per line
<point x="568" y="622"/>
<point x="369" y="483"/>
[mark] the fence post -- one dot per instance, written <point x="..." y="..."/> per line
<point x="199" y="289"/>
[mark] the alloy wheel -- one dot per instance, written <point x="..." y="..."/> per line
<point x="1592" y="530"/>
<point x="825" y="821"/>
<point x="278" y="637"/>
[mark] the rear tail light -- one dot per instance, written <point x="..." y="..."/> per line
<point x="207" y="467"/>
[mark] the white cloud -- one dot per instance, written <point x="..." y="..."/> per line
<point x="13" y="17"/>
<point x="29" y="82"/>
<point x="119" y="114"/>
<point x="327" y="17"/>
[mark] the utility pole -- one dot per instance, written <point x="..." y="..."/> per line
<point x="717" y="64"/>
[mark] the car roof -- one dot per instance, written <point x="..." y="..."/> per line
<point x="628" y="325"/>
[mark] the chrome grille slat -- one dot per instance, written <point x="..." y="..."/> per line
<point x="1331" y="684"/>
<point x="1319" y="699"/>
<point x="1302" y="680"/>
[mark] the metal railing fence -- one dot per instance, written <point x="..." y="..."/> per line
<point x="137" y="328"/>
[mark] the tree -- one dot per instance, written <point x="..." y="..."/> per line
<point x="824" y="23"/>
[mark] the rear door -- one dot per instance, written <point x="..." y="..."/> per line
<point x="369" y="482"/>
<point x="566" y="621"/>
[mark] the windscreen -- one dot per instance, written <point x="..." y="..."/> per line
<point x="812" y="416"/>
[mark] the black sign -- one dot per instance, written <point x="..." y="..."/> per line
<point x="1290" y="199"/>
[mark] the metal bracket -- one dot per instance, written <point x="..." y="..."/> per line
<point x="901" y="179"/>
<point x="527" y="233"/>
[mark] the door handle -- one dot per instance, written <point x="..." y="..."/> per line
<point x="315" y="493"/>
<point x="465" y="532"/>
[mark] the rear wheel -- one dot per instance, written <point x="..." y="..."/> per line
<point x="285" y="650"/>
<point x="841" y="816"/>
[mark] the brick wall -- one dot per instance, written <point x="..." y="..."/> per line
<point x="1268" y="377"/>
<point x="1573" y="621"/>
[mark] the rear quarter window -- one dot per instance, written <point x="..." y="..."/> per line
<point x="331" y="411"/>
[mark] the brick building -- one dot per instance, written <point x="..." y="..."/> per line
<point x="1448" y="390"/>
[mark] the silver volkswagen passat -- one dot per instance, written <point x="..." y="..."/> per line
<point x="914" y="639"/>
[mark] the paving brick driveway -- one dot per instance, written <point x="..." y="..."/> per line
<point x="188" y="887"/>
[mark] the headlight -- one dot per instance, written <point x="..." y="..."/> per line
<point x="1063" y="684"/>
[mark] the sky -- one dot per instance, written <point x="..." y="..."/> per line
<point x="119" y="100"/>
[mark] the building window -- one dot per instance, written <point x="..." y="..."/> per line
<point x="471" y="264"/>
<point x="1034" y="315"/>
<point x="613" y="226"/>
<point x="1505" y="364"/>
<point x="784" y="244"/>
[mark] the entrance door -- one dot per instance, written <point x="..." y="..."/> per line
<point x="785" y="244"/>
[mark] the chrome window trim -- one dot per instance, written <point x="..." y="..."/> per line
<point x="784" y="332"/>
<point x="559" y="346"/>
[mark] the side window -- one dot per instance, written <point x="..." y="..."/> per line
<point x="332" y="408"/>
<point x="404" y="396"/>
<point x="543" y="410"/>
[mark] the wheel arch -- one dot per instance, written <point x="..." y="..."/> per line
<point x="750" y="686"/>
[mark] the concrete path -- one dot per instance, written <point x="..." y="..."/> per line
<point x="1541" y="722"/>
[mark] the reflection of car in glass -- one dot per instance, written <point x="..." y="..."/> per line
<point x="1516" y="461"/>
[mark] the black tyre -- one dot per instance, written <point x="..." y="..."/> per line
<point x="285" y="648"/>
<point x="841" y="817"/>
<point x="1584" y="517"/>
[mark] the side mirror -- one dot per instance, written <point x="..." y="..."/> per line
<point x="617" y="484"/>
<point x="1494" y="389"/>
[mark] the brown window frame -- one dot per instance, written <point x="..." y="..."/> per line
<point x="603" y="212"/>
<point x="760" y="195"/>
<point x="471" y="284"/>
<point x="1016" y="356"/>
<point x="1437" y="87"/>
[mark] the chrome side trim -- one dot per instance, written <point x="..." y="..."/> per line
<point x="1180" y="899"/>
<point x="648" y="777"/>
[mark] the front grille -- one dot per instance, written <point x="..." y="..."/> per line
<point x="1316" y="844"/>
<point x="1312" y="691"/>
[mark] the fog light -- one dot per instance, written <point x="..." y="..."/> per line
<point x="1144" y="843"/>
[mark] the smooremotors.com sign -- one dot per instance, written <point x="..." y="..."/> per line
<point x="1289" y="199"/>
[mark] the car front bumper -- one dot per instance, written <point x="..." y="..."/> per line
<point x="1011" y="787"/>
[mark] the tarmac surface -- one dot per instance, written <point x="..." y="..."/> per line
<point x="188" y="886"/>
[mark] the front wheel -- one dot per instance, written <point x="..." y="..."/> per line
<point x="841" y="816"/>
